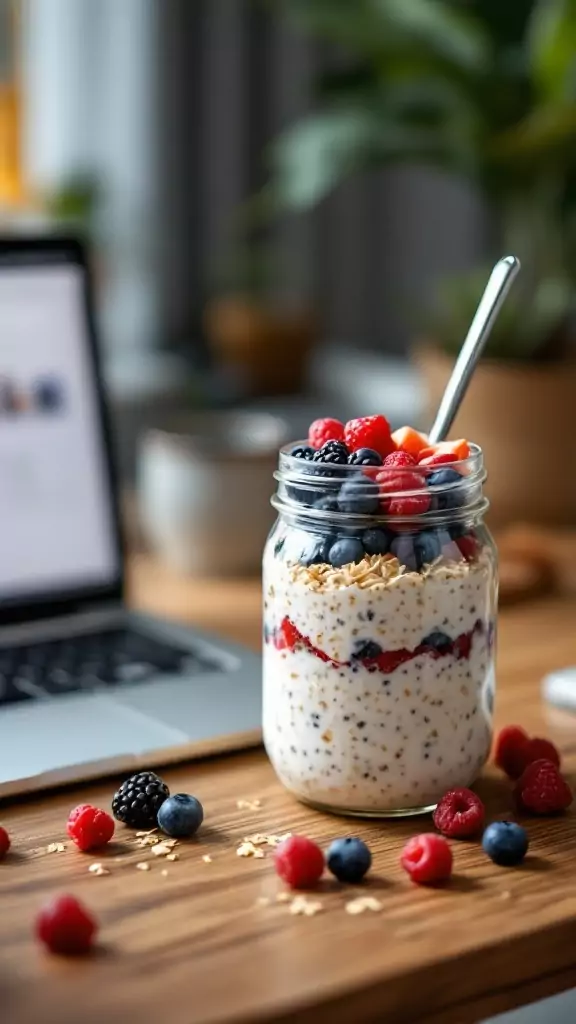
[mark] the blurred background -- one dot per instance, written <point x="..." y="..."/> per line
<point x="293" y="207"/>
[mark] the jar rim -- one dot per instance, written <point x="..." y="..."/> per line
<point x="295" y="477"/>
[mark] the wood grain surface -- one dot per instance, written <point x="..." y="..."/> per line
<point x="199" y="944"/>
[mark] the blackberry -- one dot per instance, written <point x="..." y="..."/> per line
<point x="364" y="457"/>
<point x="335" y="453"/>
<point x="139" y="799"/>
<point x="303" y="451"/>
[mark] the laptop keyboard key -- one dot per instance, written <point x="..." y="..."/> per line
<point x="114" y="658"/>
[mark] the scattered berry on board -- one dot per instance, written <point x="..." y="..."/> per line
<point x="348" y="859"/>
<point x="4" y="842"/>
<point x="89" y="827"/>
<point x="139" y="799"/>
<point x="65" y="926"/>
<point x="299" y="862"/>
<point x="180" y="816"/>
<point x="505" y="842"/>
<point x="460" y="814"/>
<point x="515" y="750"/>
<point x="321" y="431"/>
<point x="541" y="789"/>
<point x="427" y="859"/>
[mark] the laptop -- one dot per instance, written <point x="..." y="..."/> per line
<point x="87" y="687"/>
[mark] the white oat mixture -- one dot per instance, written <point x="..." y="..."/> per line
<point x="349" y="734"/>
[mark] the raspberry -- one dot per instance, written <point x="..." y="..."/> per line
<point x="369" y="432"/>
<point x="400" y="459"/>
<point x="396" y="476"/>
<point x="324" y="430"/>
<point x="299" y="862"/>
<point x="413" y="505"/>
<point x="89" y="827"/>
<point x="4" y="842"/>
<point x="539" y="749"/>
<point x="509" y="750"/>
<point x="541" y="789"/>
<point x="460" y="814"/>
<point x="427" y="859"/>
<point x="65" y="926"/>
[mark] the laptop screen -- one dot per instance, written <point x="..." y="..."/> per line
<point x="56" y="520"/>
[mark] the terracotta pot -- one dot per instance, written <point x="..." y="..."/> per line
<point x="269" y="348"/>
<point x="523" y="416"/>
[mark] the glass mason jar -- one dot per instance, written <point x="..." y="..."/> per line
<point x="380" y="596"/>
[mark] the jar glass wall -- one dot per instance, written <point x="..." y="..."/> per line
<point x="379" y="629"/>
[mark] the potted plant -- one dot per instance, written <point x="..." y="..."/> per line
<point x="486" y="91"/>
<point x="264" y="344"/>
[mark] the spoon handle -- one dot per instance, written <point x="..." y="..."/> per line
<point x="489" y="307"/>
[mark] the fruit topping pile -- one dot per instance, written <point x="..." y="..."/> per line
<point x="362" y="468"/>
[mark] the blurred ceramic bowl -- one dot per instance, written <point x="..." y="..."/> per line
<point x="204" y="489"/>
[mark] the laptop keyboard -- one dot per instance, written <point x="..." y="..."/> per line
<point x="107" y="659"/>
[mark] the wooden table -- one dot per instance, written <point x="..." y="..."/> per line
<point x="204" y="941"/>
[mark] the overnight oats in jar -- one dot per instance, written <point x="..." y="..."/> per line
<point x="380" y="594"/>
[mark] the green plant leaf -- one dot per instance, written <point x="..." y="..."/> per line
<point x="437" y="26"/>
<point x="552" y="49"/>
<point x="310" y="159"/>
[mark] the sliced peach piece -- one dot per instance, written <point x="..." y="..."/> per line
<point x="409" y="440"/>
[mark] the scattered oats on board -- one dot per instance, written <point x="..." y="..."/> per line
<point x="55" y="848"/>
<point x="164" y="848"/>
<point x="262" y="839"/>
<point x="150" y="832"/>
<point x="164" y="873"/>
<point x="362" y="903"/>
<point x="302" y="905"/>
<point x="263" y="901"/>
<point x="142" y="865"/>
<point x="283" y="897"/>
<point x="207" y="858"/>
<point x="172" y="856"/>
<point x="247" y="849"/>
<point x="98" y="869"/>
<point x="248" y="805"/>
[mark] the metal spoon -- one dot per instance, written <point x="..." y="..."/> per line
<point x="489" y="307"/>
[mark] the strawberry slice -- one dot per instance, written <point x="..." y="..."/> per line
<point x="459" y="449"/>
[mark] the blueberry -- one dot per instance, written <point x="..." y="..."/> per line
<point x="416" y="550"/>
<point x="438" y="640"/>
<point x="303" y="451"/>
<point x="402" y="547"/>
<point x="359" y="496"/>
<point x="316" y="550"/>
<point x="376" y="541"/>
<point x="348" y="859"/>
<point x="326" y="503"/>
<point x="345" y="550"/>
<point x="48" y="394"/>
<point x="428" y="547"/>
<point x="366" y="650"/>
<point x="505" y="842"/>
<point x="364" y="457"/>
<point x="443" y="499"/>
<point x="180" y="816"/>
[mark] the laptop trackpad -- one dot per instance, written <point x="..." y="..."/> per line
<point x="40" y="737"/>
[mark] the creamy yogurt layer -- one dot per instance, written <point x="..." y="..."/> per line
<point x="378" y="682"/>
